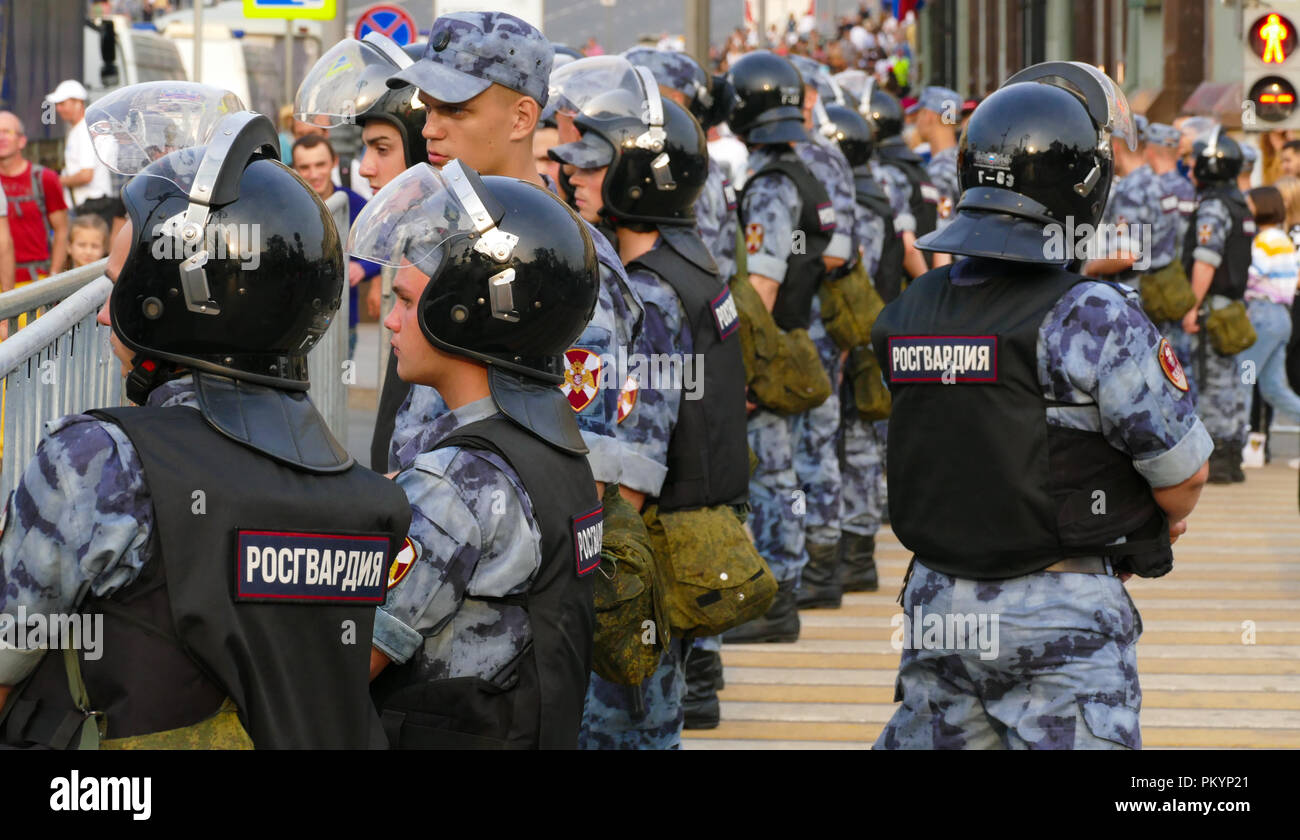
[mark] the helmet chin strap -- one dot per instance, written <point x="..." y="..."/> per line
<point x="146" y="374"/>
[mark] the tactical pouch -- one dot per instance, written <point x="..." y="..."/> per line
<point x="627" y="595"/>
<point x="782" y="369"/>
<point x="221" y="731"/>
<point x="871" y="396"/>
<point x="1166" y="294"/>
<point x="1230" y="329"/>
<point x="714" y="578"/>
<point x="850" y="305"/>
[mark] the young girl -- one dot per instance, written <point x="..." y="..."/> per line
<point x="1270" y="291"/>
<point x="89" y="240"/>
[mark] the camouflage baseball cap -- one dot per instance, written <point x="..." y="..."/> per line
<point x="1162" y="135"/>
<point x="468" y="51"/>
<point x="938" y="99"/>
<point x="672" y="70"/>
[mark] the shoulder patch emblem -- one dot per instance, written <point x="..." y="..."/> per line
<point x="581" y="377"/>
<point x="1169" y="203"/>
<point x="1204" y="233"/>
<point x="929" y="193"/>
<point x="1248" y="226"/>
<point x="588" y="534"/>
<point x="729" y="192"/>
<point x="753" y="237"/>
<point x="403" y="562"/>
<point x="725" y="316"/>
<point x="1170" y="365"/>
<point x="627" y="398"/>
<point x="945" y="207"/>
<point x="826" y="216"/>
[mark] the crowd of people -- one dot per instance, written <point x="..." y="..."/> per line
<point x="567" y="538"/>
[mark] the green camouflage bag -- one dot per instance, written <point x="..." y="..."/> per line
<point x="713" y="577"/>
<point x="782" y="369"/>
<point x="870" y="394"/>
<point x="627" y="595"/>
<point x="1230" y="329"/>
<point x="1166" y="294"/>
<point x="850" y="305"/>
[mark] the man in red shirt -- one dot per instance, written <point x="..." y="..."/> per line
<point x="38" y="214"/>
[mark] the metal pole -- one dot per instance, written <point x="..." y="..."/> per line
<point x="288" y="62"/>
<point x="697" y="30"/>
<point x="198" y="40"/>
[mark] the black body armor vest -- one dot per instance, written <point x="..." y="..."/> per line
<point x="1231" y="275"/>
<point x="981" y="486"/>
<point x="924" y="200"/>
<point x="708" y="457"/>
<point x="180" y="639"/>
<point x="804" y="272"/>
<point x="889" y="273"/>
<point x="537" y="703"/>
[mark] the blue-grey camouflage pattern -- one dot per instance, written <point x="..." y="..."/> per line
<point x="1138" y="199"/>
<point x="716" y="220"/>
<point x="776" y="499"/>
<point x="815" y="75"/>
<point x="770" y="208"/>
<point x="869" y="234"/>
<point x="671" y="69"/>
<point x="829" y="166"/>
<point x="942" y="169"/>
<point x="608" y="719"/>
<point x="1224" y="400"/>
<point x="80" y="520"/>
<point x="862" y="475"/>
<point x="1178" y="185"/>
<point x="477" y="538"/>
<point x="1062" y="674"/>
<point x="899" y="190"/>
<point x="815" y="435"/>
<point x="613" y="325"/>
<point x="468" y="51"/>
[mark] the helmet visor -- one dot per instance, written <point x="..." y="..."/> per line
<point x="137" y="125"/>
<point x="857" y="83"/>
<point x="603" y="87"/>
<point x="343" y="84"/>
<point x="1105" y="101"/>
<point x="409" y="219"/>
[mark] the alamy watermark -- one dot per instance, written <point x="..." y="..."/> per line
<point x="84" y="632"/>
<point x="218" y="241"/>
<point x="946" y="631"/>
<point x="1102" y="241"/>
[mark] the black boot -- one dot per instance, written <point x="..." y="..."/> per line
<point x="1235" y="448"/>
<point x="819" y="585"/>
<point x="779" y="624"/>
<point x="703" y="680"/>
<point x="1220" y="470"/>
<point x="858" y="563"/>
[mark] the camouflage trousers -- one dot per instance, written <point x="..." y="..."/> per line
<point x="610" y="720"/>
<point x="1182" y="344"/>
<point x="777" y="503"/>
<point x="861" y="468"/>
<point x="816" y="446"/>
<point x="1060" y="673"/>
<point x="1224" y="400"/>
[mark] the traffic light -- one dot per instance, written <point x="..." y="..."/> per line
<point x="1272" y="67"/>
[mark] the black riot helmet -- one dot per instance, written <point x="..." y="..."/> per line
<point x="1035" y="155"/>
<point x="655" y="151"/>
<point x="512" y="280"/>
<point x="1218" y="159"/>
<point x="349" y="84"/>
<point x="769" y="100"/>
<point x="236" y="267"/>
<point x="852" y="132"/>
<point x="885" y="113"/>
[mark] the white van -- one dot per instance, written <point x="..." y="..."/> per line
<point x="142" y="56"/>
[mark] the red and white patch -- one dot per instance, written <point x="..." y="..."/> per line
<point x="627" y="398"/>
<point x="753" y="237"/>
<point x="1170" y="365"/>
<point x="1204" y="233"/>
<point x="581" y="377"/>
<point x="403" y="562"/>
<point x="945" y="207"/>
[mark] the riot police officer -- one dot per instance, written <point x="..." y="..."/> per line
<point x="690" y="453"/>
<point x="222" y="517"/>
<point x="937" y="112"/>
<point x="485" y="640"/>
<point x="1084" y="391"/>
<point x="1216" y="258"/>
<point x="1176" y="190"/>
<point x="347" y="84"/>
<point x="780" y="198"/>
<point x="902" y="174"/>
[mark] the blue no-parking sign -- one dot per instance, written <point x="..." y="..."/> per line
<point x="393" y="21"/>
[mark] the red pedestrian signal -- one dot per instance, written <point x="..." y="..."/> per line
<point x="1272" y="38"/>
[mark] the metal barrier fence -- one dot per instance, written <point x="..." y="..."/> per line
<point x="61" y="361"/>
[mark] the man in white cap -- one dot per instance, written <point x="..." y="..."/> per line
<point x="84" y="177"/>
